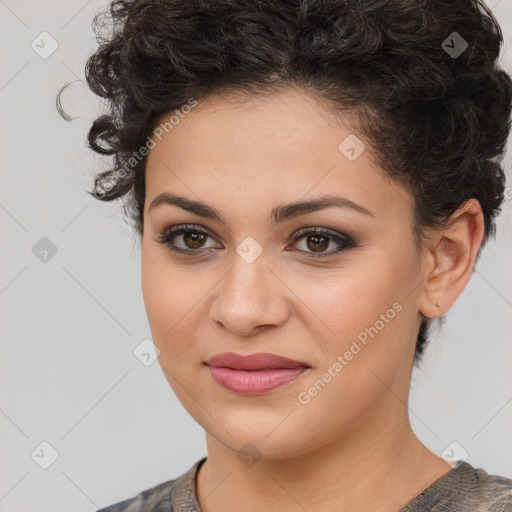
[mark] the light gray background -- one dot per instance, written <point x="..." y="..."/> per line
<point x="69" y="326"/>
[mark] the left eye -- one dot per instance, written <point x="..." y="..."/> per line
<point x="194" y="238"/>
<point x="315" y="239"/>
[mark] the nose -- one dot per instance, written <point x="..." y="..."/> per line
<point x="249" y="298"/>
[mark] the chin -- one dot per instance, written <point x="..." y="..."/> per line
<point x="273" y="436"/>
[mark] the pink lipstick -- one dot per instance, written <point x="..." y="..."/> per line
<point x="254" y="374"/>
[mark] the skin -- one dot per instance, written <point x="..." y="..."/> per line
<point x="243" y="156"/>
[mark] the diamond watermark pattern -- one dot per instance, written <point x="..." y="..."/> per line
<point x="249" y="454"/>
<point x="44" y="250"/>
<point x="146" y="352"/>
<point x="44" y="455"/>
<point x="249" y="249"/>
<point x="351" y="147"/>
<point x="44" y="45"/>
<point x="454" y="452"/>
<point x="454" y="45"/>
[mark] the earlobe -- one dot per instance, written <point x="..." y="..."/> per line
<point x="437" y="281"/>
<point x="453" y="254"/>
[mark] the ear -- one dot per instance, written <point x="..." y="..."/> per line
<point x="451" y="255"/>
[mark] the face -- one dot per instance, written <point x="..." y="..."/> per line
<point x="341" y="299"/>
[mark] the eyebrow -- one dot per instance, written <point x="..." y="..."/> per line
<point x="278" y="214"/>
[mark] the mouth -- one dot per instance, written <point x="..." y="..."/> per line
<point x="255" y="374"/>
<point x="254" y="362"/>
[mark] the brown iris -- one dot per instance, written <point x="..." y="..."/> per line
<point x="316" y="244"/>
<point x="196" y="239"/>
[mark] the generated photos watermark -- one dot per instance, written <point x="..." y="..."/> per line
<point x="304" y="397"/>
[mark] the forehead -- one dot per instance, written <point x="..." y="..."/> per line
<point x="239" y="150"/>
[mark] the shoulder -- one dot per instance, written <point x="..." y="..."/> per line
<point x="502" y="502"/>
<point x="499" y="493"/>
<point x="154" y="499"/>
<point x="489" y="493"/>
<point x="163" y="497"/>
<point x="465" y="488"/>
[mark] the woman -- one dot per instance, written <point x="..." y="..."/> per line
<point x="312" y="183"/>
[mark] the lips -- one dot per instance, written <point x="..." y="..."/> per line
<point x="255" y="374"/>
<point x="258" y="361"/>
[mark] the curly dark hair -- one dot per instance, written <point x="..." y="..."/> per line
<point x="419" y="75"/>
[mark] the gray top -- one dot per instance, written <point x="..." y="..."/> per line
<point x="462" y="489"/>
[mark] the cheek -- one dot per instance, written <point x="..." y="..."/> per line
<point x="169" y="315"/>
<point x="364" y="314"/>
<point x="174" y="298"/>
<point x="345" y="303"/>
<point x="157" y="290"/>
<point x="165" y="297"/>
<point x="361" y="345"/>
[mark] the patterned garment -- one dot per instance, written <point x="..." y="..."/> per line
<point x="462" y="489"/>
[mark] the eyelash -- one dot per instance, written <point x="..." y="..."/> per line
<point x="169" y="234"/>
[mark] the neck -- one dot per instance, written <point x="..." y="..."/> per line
<point x="371" y="468"/>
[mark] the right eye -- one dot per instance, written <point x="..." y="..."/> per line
<point x="191" y="237"/>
